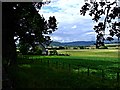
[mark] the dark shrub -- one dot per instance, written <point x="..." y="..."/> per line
<point x="61" y="47"/>
<point x="82" y="47"/>
<point x="75" y="48"/>
<point x="103" y="47"/>
<point x="53" y="52"/>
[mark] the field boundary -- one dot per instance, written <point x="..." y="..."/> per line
<point x="88" y="70"/>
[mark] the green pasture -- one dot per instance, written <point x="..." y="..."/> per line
<point x="41" y="76"/>
<point x="95" y="59"/>
<point x="113" y="53"/>
<point x="35" y="71"/>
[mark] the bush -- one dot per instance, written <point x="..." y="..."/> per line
<point x="82" y="47"/>
<point x="61" y="47"/>
<point x="30" y="53"/>
<point x="67" y="47"/>
<point x="38" y="52"/>
<point x="75" y="48"/>
<point x="103" y="47"/>
<point x="53" y="52"/>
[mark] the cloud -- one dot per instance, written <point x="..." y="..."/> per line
<point x="68" y="10"/>
<point x="74" y="26"/>
<point x="56" y="38"/>
<point x="71" y="25"/>
<point x="90" y="33"/>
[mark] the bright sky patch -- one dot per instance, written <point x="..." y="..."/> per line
<point x="71" y="25"/>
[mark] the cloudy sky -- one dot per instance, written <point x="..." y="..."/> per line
<point x="71" y="25"/>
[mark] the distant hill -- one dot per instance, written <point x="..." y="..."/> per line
<point x="79" y="43"/>
<point x="54" y="43"/>
<point x="112" y="42"/>
<point x="76" y="43"/>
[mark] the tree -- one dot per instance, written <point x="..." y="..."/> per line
<point x="22" y="22"/>
<point x="32" y="28"/>
<point x="110" y="11"/>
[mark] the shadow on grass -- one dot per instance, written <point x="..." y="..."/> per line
<point x="40" y="75"/>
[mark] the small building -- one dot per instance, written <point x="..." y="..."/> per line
<point x="44" y="50"/>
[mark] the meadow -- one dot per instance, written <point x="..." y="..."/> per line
<point x="87" y="68"/>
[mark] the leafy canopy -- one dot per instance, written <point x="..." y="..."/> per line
<point x="32" y="28"/>
<point x="109" y="12"/>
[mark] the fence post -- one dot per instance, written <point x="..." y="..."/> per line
<point x="57" y="64"/>
<point x="69" y="67"/>
<point x="60" y="65"/>
<point x="63" y="65"/>
<point x="118" y="77"/>
<point x="78" y="69"/>
<point x="33" y="60"/>
<point x="103" y="74"/>
<point x="41" y="60"/>
<point x="88" y="71"/>
<point x="48" y="63"/>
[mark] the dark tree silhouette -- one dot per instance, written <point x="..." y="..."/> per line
<point x="22" y="22"/>
<point x="110" y="11"/>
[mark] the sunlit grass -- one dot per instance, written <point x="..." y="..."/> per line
<point x="92" y="52"/>
<point x="34" y="71"/>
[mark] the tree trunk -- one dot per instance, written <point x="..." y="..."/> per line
<point x="9" y="47"/>
<point x="8" y="30"/>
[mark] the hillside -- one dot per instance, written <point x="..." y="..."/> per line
<point x="76" y="43"/>
<point x="79" y="43"/>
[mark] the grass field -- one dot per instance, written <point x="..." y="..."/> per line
<point x="92" y="52"/>
<point x="53" y="71"/>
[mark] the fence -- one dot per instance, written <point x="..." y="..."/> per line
<point x="71" y="68"/>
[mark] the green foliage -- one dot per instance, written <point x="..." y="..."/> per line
<point x="38" y="51"/>
<point x="67" y="47"/>
<point x="103" y="47"/>
<point x="61" y="47"/>
<point x="54" y="52"/>
<point x="24" y="48"/>
<point x="75" y="48"/>
<point x="24" y="23"/>
<point x="110" y="11"/>
<point x="82" y="47"/>
<point x="32" y="26"/>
